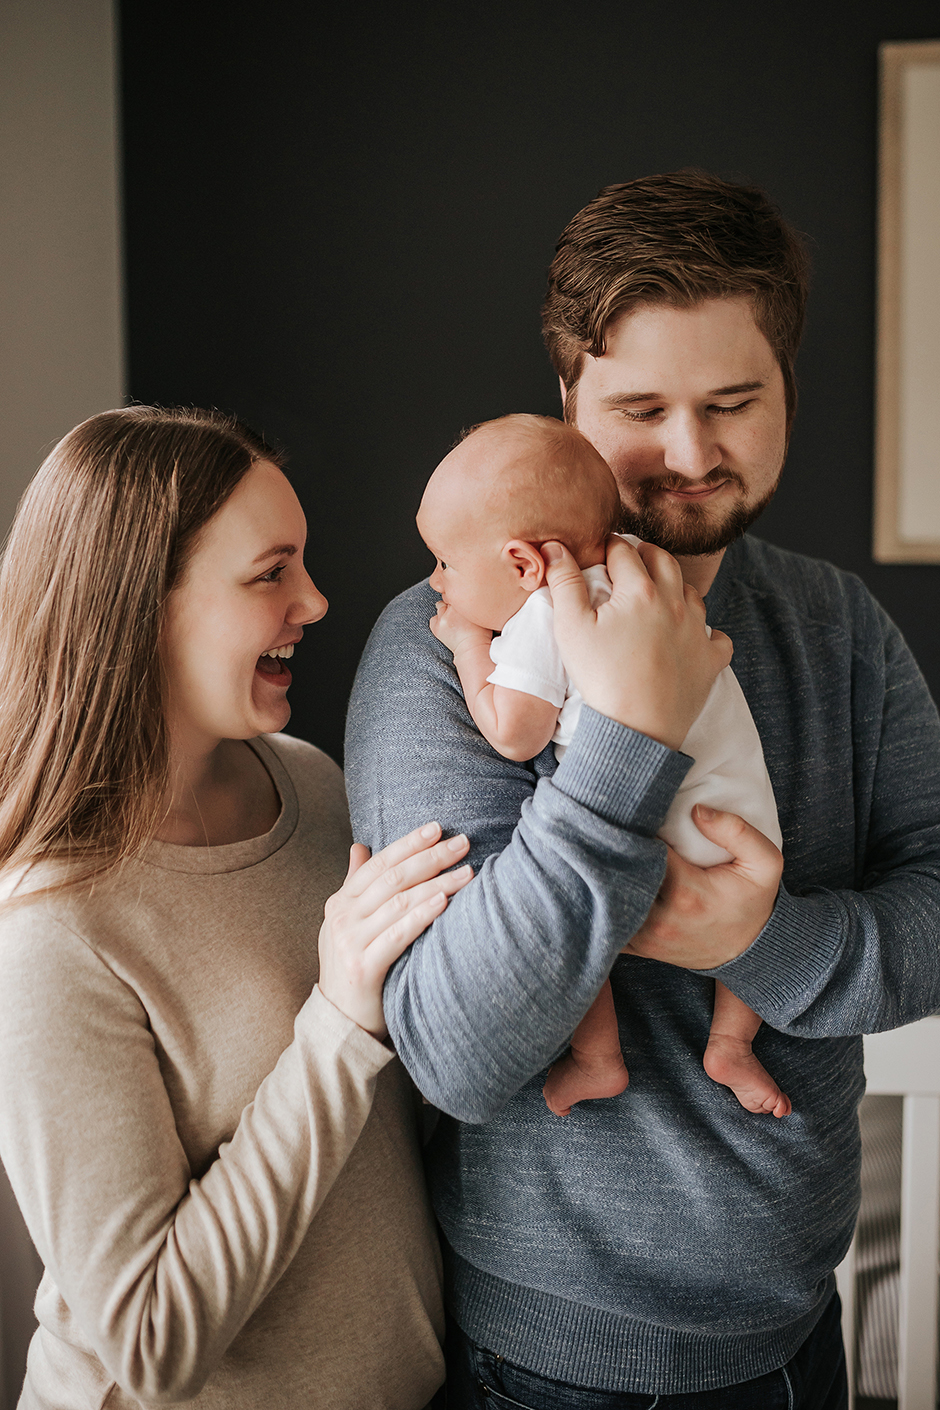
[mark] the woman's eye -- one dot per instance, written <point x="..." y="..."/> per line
<point x="274" y="576"/>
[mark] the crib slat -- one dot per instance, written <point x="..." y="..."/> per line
<point x="920" y="1228"/>
<point x="845" y="1282"/>
<point x="906" y="1061"/>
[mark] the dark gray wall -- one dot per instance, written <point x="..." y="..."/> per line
<point x="341" y="232"/>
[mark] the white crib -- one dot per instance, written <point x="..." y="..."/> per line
<point x="906" y="1063"/>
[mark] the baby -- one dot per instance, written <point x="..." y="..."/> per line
<point x="509" y="487"/>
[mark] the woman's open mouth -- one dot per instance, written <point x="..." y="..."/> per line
<point x="272" y="664"/>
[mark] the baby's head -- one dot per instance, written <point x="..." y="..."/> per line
<point x="509" y="487"/>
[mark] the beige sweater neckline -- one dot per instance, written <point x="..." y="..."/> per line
<point x="235" y="856"/>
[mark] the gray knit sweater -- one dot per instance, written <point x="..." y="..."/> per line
<point x="665" y="1240"/>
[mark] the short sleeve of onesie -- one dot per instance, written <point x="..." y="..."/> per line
<point x="526" y="655"/>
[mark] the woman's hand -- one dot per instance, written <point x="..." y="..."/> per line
<point x="385" y="903"/>
<point x="643" y="658"/>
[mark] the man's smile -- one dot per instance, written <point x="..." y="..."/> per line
<point x="696" y="492"/>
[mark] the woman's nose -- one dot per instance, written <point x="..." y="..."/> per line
<point x="311" y="604"/>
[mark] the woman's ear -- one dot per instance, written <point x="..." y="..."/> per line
<point x="527" y="562"/>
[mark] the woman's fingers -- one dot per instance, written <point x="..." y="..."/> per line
<point x="422" y="848"/>
<point x="358" y="856"/>
<point x="387" y="886"/>
<point x="394" y="940"/>
<point x="409" y="873"/>
<point x="391" y="911"/>
<point x="395" y="932"/>
<point x="384" y="904"/>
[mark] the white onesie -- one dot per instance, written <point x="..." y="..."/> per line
<point x="729" y="770"/>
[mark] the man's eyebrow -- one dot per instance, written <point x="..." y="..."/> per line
<point x="737" y="389"/>
<point x="288" y="549"/>
<point x="633" y="398"/>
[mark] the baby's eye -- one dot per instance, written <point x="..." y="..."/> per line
<point x="443" y="564"/>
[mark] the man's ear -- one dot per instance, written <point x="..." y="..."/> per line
<point x="526" y="561"/>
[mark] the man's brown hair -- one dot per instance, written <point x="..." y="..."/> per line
<point x="676" y="239"/>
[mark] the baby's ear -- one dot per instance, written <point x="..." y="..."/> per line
<point x="527" y="562"/>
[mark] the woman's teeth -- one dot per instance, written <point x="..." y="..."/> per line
<point x="270" y="661"/>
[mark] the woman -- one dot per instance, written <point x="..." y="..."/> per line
<point x="215" y="1155"/>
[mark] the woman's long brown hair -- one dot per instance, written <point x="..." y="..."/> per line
<point x="101" y="537"/>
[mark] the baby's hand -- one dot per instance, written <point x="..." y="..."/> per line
<point x="455" y="632"/>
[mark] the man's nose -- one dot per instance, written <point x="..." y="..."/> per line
<point x="690" y="446"/>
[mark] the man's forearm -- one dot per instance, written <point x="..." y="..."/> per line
<point x="845" y="962"/>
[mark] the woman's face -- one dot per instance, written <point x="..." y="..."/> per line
<point x="242" y="600"/>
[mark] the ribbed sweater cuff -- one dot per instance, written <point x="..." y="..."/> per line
<point x="624" y="777"/>
<point x="793" y="954"/>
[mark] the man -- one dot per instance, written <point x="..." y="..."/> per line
<point x="663" y="1243"/>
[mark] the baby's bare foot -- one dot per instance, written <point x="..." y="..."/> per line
<point x="577" y="1077"/>
<point x="731" y="1062"/>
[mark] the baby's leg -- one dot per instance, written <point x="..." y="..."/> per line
<point x="594" y="1067"/>
<point x="730" y="1061"/>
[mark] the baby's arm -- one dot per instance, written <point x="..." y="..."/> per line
<point x="516" y="724"/>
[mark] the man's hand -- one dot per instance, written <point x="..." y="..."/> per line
<point x="643" y="658"/>
<point x="455" y="632"/>
<point x="705" y="916"/>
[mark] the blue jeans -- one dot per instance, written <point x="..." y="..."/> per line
<point x="814" y="1379"/>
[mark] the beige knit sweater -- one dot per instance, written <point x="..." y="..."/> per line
<point x="220" y="1171"/>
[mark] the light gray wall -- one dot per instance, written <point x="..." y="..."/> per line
<point x="61" y="344"/>
<point x="61" y="351"/>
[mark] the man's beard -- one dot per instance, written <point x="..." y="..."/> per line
<point x="689" y="530"/>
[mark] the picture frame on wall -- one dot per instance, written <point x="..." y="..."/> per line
<point x="907" y="440"/>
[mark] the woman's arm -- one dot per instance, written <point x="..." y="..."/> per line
<point x="161" y="1264"/>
